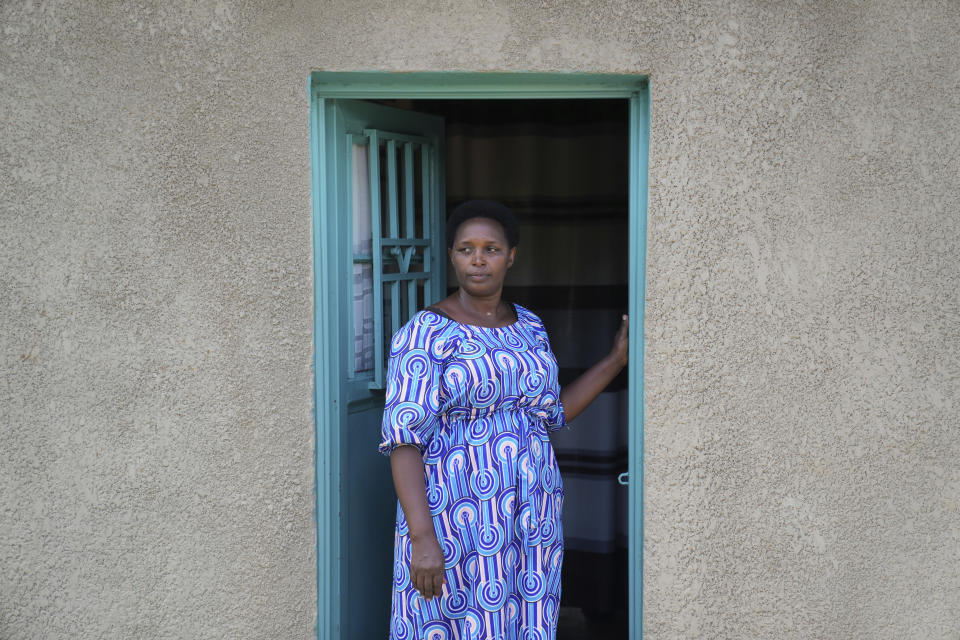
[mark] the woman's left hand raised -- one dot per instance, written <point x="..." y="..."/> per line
<point x="621" y="342"/>
<point x="576" y="396"/>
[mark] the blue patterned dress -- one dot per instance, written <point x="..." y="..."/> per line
<point x="478" y="402"/>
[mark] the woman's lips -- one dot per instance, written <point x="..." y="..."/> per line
<point x="478" y="276"/>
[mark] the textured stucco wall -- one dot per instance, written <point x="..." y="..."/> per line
<point x="803" y="356"/>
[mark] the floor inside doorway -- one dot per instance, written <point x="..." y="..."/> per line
<point x="574" y="625"/>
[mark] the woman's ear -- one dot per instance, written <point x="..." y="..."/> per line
<point x="511" y="257"/>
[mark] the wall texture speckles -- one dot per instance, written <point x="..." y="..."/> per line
<point x="803" y="324"/>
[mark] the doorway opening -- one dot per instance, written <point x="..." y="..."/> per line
<point x="562" y="166"/>
<point x="583" y="256"/>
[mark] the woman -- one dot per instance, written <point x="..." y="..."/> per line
<point x="471" y="394"/>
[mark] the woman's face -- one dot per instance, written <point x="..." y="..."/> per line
<point x="481" y="256"/>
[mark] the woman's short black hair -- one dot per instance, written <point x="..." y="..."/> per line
<point x="483" y="209"/>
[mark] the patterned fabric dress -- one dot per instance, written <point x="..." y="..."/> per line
<point x="478" y="402"/>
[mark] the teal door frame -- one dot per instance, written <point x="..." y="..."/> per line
<point x="329" y="415"/>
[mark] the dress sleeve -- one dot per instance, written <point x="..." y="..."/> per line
<point x="411" y="414"/>
<point x="556" y="419"/>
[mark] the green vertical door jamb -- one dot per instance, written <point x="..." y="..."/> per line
<point x="639" y="152"/>
<point x="325" y="173"/>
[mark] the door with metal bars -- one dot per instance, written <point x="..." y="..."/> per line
<point x="388" y="184"/>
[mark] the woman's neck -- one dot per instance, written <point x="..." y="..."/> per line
<point x="466" y="309"/>
<point x="487" y="308"/>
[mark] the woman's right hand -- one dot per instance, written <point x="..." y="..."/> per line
<point x="426" y="561"/>
<point x="426" y="566"/>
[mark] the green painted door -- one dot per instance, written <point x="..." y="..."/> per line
<point x="385" y="179"/>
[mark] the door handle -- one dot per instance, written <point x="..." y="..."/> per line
<point x="624" y="478"/>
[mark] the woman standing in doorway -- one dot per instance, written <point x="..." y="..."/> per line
<point x="472" y="393"/>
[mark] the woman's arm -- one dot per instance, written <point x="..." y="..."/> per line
<point x="426" y="563"/>
<point x="577" y="396"/>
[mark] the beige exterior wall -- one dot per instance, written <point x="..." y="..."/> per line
<point x="803" y="320"/>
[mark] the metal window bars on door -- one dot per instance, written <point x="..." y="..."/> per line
<point x="399" y="172"/>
